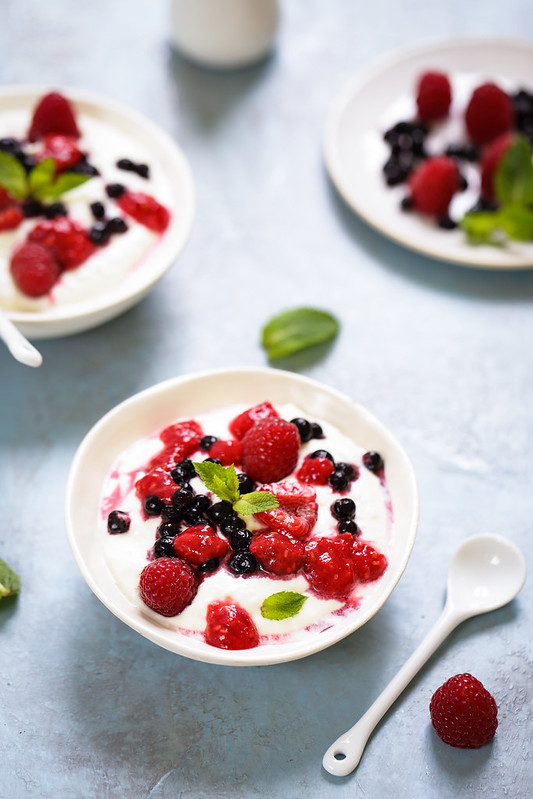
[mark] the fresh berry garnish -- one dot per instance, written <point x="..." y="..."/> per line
<point x="329" y="566"/>
<point x="343" y="508"/>
<point x="99" y="234"/>
<point x="490" y="161"/>
<point x="433" y="184"/>
<point x="53" y="114"/>
<point x="227" y="452"/>
<point x="278" y="553"/>
<point x="11" y="217"/>
<point x="463" y="712"/>
<point x="297" y="512"/>
<point x="115" y="190"/>
<point x="270" y="450"/>
<point x="229" y="626"/>
<point x="230" y="523"/>
<point x="199" y="544"/>
<point x="373" y="462"/>
<point x="209" y="566"/>
<point x="315" y="470"/>
<point x="304" y="428"/>
<point x="243" y="562"/>
<point x="54" y="210"/>
<point x="180" y="440"/>
<point x="207" y="442"/>
<point x="240" y="539"/>
<point x="220" y="510"/>
<point x="144" y="209"/>
<point x="164" y="547"/>
<point x="98" y="210"/>
<point x="168" y="585"/>
<point x="240" y="425"/>
<point x="157" y="483"/>
<point x="246" y="484"/>
<point x="433" y="96"/>
<point x="168" y="530"/>
<point x="118" y="521"/>
<point x="348" y="526"/>
<point x="153" y="505"/>
<point x="182" y="498"/>
<point x="63" y="149"/>
<point x="34" y="270"/>
<point x="369" y="564"/>
<point x="489" y="113"/>
<point x="322" y="453"/>
<point x="67" y="240"/>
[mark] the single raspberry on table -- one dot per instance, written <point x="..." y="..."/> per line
<point x="433" y="96"/>
<point x="278" y="553"/>
<point x="230" y="626"/>
<point x="329" y="565"/>
<point x="53" y="114"/>
<point x="67" y="240"/>
<point x="63" y="149"/>
<point x="433" y="184"/>
<point x="199" y="544"/>
<point x="242" y="423"/>
<point x="227" y="452"/>
<point x="168" y="585"/>
<point x="10" y="217"/>
<point x="270" y="450"/>
<point x="489" y="113"/>
<point x="369" y="564"/>
<point x="145" y="209"/>
<point x="463" y="712"/>
<point x="490" y="161"/>
<point x="315" y="470"/>
<point x="34" y="270"/>
<point x="297" y="512"/>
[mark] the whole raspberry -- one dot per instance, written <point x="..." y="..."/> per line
<point x="242" y="423"/>
<point x="329" y="565"/>
<point x="67" y="239"/>
<point x="168" y="585"/>
<point x="63" y="149"/>
<point x="433" y="184"/>
<point x="297" y="512"/>
<point x="434" y="96"/>
<point x="278" y="553"/>
<point x="145" y="209"/>
<point x="489" y="113"/>
<point x="10" y="217"/>
<point x="369" y="564"/>
<point x="34" y="270"/>
<point x="270" y="450"/>
<point x="315" y="470"/>
<point x="230" y="627"/>
<point x="227" y="452"/>
<point x="463" y="712"/>
<point x="490" y="161"/>
<point x="199" y="544"/>
<point x="157" y="482"/>
<point x="53" y="114"/>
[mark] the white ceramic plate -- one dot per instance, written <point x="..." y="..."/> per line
<point x="150" y="410"/>
<point x="379" y="97"/>
<point x="169" y="160"/>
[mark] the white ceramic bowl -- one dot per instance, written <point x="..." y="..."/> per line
<point x="170" y="161"/>
<point x="156" y="407"/>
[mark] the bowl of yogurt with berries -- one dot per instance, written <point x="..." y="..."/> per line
<point x="96" y="204"/>
<point x="241" y="516"/>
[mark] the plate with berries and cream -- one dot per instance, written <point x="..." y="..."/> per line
<point x="433" y="148"/>
<point x="96" y="204"/>
<point x="241" y="516"/>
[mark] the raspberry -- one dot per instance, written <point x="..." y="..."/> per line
<point x="199" y="544"/>
<point x="68" y="241"/>
<point x="490" y="162"/>
<point x="145" y="210"/>
<point x="181" y="440"/>
<point x="270" y="450"/>
<point x="434" y="96"/>
<point x="226" y="452"/>
<point x="315" y="470"/>
<point x="5" y="199"/>
<point x="230" y="627"/>
<point x="297" y="512"/>
<point x="242" y="423"/>
<point x="168" y="585"/>
<point x="433" y="184"/>
<point x="10" y="217"/>
<point x="489" y="113"/>
<point x="157" y="483"/>
<point x="34" y="270"/>
<point x="53" y="114"/>
<point x="369" y="564"/>
<point x="463" y="712"/>
<point x="63" y="149"/>
<point x="329" y="566"/>
<point x="278" y="553"/>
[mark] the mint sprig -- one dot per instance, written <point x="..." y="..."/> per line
<point x="297" y="329"/>
<point x="9" y="581"/>
<point x="40" y="183"/>
<point x="223" y="481"/>
<point x="282" y="605"/>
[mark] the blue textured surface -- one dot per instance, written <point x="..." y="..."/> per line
<point x="440" y="353"/>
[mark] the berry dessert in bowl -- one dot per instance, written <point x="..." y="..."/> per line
<point x="96" y="203"/>
<point x="241" y="516"/>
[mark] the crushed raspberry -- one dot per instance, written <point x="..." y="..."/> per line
<point x="63" y="149"/>
<point x="434" y="96"/>
<point x="6" y="199"/>
<point x="368" y="562"/>
<point x="270" y="450"/>
<point x="10" y="217"/>
<point x="463" y="712"/>
<point x="315" y="470"/>
<point x="490" y="161"/>
<point x="242" y="423"/>
<point x="158" y="483"/>
<point x="181" y="440"/>
<point x="278" y="553"/>
<point x="227" y="452"/>
<point x="229" y="626"/>
<point x="433" y="184"/>
<point x="34" y="270"/>
<point x="488" y="114"/>
<point x="329" y="566"/>
<point x="199" y="544"/>
<point x="297" y="512"/>
<point x="168" y="585"/>
<point x="145" y="210"/>
<point x="53" y="114"/>
<point x="67" y="240"/>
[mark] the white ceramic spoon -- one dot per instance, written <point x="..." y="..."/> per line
<point x="486" y="572"/>
<point x="19" y="347"/>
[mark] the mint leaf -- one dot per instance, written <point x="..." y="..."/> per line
<point x="481" y="227"/>
<point x="282" y="605"/>
<point x="9" y="581"/>
<point x="221" y="480"/>
<point x="513" y="179"/>
<point x="255" y="502"/>
<point x="65" y="182"/>
<point x="517" y="221"/>
<point x="13" y="176"/>
<point x="42" y="175"/>
<point x="297" y="329"/>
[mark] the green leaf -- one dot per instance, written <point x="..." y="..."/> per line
<point x="42" y="175"/>
<point x="13" y="176"/>
<point x="9" y="581"/>
<point x="513" y="179"/>
<point x="517" y="221"/>
<point x="65" y="182"/>
<point x="255" y="502"/>
<point x="298" y="329"/>
<point x="282" y="605"/>
<point x="481" y="227"/>
<point x="221" y="480"/>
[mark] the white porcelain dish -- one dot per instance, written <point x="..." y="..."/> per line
<point x="169" y="160"/>
<point x="156" y="407"/>
<point x="382" y="95"/>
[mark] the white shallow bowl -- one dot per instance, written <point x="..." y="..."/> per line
<point x="162" y="404"/>
<point x="170" y="160"/>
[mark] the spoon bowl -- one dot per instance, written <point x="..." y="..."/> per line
<point x="18" y="345"/>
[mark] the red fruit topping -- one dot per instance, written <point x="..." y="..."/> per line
<point x="5" y="199"/>
<point x="10" y="217"/>
<point x="270" y="450"/>
<point x="368" y="562"/>
<point x="433" y="184"/>
<point x="63" y="149"/>
<point x="181" y="440"/>
<point x="145" y="210"/>
<point x="489" y="113"/>
<point x="315" y="470"/>
<point x="242" y="423"/>
<point x="463" y="712"/>
<point x="297" y="512"/>
<point x="278" y="553"/>
<point x="226" y="452"/>
<point x="34" y="270"/>
<point x="434" y="96"/>
<point x="490" y="162"/>
<point x="158" y="483"/>
<point x="230" y="627"/>
<point x="199" y="544"/>
<point x="53" y="114"/>
<point x="67" y="240"/>
<point x="329" y="566"/>
<point x="168" y="585"/>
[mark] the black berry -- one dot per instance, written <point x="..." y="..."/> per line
<point x="168" y="530"/>
<point x="118" y="521"/>
<point x="32" y="208"/>
<point x="126" y="165"/>
<point x="98" y="210"/>
<point x="171" y="513"/>
<point x="232" y="523"/>
<point x="343" y="508"/>
<point x="246" y="484"/>
<point x="304" y="429"/>
<point x="338" y="481"/>
<point x="207" y="442"/>
<point x="153" y="505"/>
<point x="347" y="470"/>
<point x="99" y="234"/>
<point x="322" y="453"/>
<point x="54" y="210"/>
<point x="242" y="562"/>
<point x="219" y="511"/>
<point x="348" y="526"/>
<point x="209" y="565"/>
<point x="117" y="225"/>
<point x="163" y="548"/>
<point x="143" y="170"/>
<point x="316" y="430"/>
<point x="373" y="461"/>
<point x="115" y="190"/>
<point x="240" y="539"/>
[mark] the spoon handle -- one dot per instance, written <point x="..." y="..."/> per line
<point x="343" y="756"/>
<point x="19" y="347"/>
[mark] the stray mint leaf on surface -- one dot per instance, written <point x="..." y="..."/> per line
<point x="297" y="329"/>
<point x="255" y="502"/>
<point x="282" y="605"/>
<point x="13" y="176"/>
<point x="9" y="581"/>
